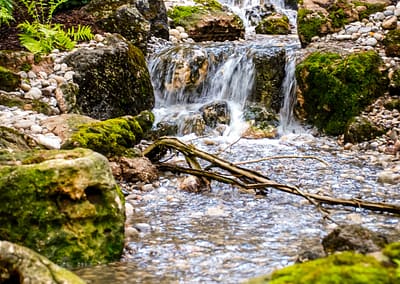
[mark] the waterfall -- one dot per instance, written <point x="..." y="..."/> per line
<point x="188" y="77"/>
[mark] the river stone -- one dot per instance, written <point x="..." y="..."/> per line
<point x="216" y="113"/>
<point x="134" y="169"/>
<point x="65" y="205"/>
<point x="19" y="264"/>
<point x="354" y="238"/>
<point x="113" y="80"/>
<point x="361" y="129"/>
<point x="11" y="139"/>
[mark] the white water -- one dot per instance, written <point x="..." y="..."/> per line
<point x="187" y="76"/>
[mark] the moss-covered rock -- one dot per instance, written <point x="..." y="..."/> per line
<point x="11" y="100"/>
<point x="346" y="267"/>
<point x="112" y="137"/>
<point x="394" y="86"/>
<point x="19" y="264"/>
<point x="64" y="205"/>
<point x="11" y="139"/>
<point x="392" y="43"/>
<point x="336" y="88"/>
<point x="113" y="80"/>
<point x="360" y="129"/>
<point x="274" y="24"/>
<point x="9" y="81"/>
<point x="207" y="20"/>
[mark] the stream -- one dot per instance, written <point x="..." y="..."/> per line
<point x="226" y="235"/>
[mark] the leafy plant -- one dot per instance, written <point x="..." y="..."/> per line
<point x="41" y="35"/>
<point x="6" y="10"/>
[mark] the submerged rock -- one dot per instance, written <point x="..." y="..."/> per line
<point x="113" y="80"/>
<point x="19" y="264"/>
<point x="65" y="205"/>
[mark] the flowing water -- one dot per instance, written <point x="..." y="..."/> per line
<point x="225" y="235"/>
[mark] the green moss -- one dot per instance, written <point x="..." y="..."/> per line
<point x="393" y="104"/>
<point x="112" y="137"/>
<point x="371" y="8"/>
<point x="392" y="250"/>
<point x="62" y="204"/>
<point x="274" y="24"/>
<point x="9" y="81"/>
<point x="392" y="43"/>
<point x="335" y="89"/>
<point x="309" y="25"/>
<point x="36" y="105"/>
<point x="340" y="268"/>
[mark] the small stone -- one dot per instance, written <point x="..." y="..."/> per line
<point x="390" y="23"/>
<point x="388" y="177"/>
<point x="24" y="124"/>
<point x="36" y="129"/>
<point x="147" y="187"/>
<point x="184" y="35"/>
<point x="69" y="75"/>
<point x="143" y="227"/>
<point x="31" y="75"/>
<point x="33" y="94"/>
<point x="348" y="146"/>
<point x="42" y="75"/>
<point x="98" y="38"/>
<point x="343" y="37"/>
<point x="23" y="74"/>
<point x="57" y="67"/>
<point x="371" y="41"/>
<point x="64" y="67"/>
<point x="49" y="141"/>
<point x="379" y="16"/>
<point x="25" y="87"/>
<point x="180" y="29"/>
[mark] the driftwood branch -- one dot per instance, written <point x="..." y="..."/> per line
<point x="246" y="178"/>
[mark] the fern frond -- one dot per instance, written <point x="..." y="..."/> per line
<point x="30" y="43"/>
<point x="82" y="33"/>
<point x="5" y="16"/>
<point x="53" y="6"/>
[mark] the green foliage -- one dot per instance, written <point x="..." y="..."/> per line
<point x="6" y="10"/>
<point x="347" y="267"/>
<point x="181" y="14"/>
<point x="70" y="4"/>
<point x="309" y="25"/>
<point x="41" y="36"/>
<point x="392" y="43"/>
<point x="335" y="89"/>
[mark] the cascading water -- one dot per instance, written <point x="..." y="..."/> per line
<point x="188" y="76"/>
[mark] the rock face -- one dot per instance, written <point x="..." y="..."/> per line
<point x="19" y="264"/>
<point x="354" y="238"/>
<point x="63" y="204"/>
<point x="350" y="84"/>
<point x="207" y="21"/>
<point x="113" y="80"/>
<point x="136" y="20"/>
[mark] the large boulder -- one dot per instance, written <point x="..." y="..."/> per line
<point x="207" y="20"/>
<point x="333" y="89"/>
<point x="65" y="205"/>
<point x="136" y="20"/>
<point x="19" y="264"/>
<point x="113" y="80"/>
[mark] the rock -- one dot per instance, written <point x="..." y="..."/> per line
<point x="9" y="81"/>
<point x="48" y="141"/>
<point x="388" y="177"/>
<point x="137" y="21"/>
<point x="111" y="137"/>
<point x="216" y="113"/>
<point x="352" y="83"/>
<point x="343" y="268"/>
<point x="193" y="123"/>
<point x="64" y="204"/>
<point x="354" y="238"/>
<point x="392" y="43"/>
<point x="10" y="139"/>
<point x="207" y="21"/>
<point x="113" y="80"/>
<point x="34" y="94"/>
<point x="390" y="23"/>
<point x="360" y="129"/>
<point x="19" y="264"/>
<point x="274" y="24"/>
<point x="135" y="169"/>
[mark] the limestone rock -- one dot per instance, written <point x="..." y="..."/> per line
<point x="135" y="169"/>
<point x="19" y="264"/>
<point x="65" y="205"/>
<point x="208" y="21"/>
<point x="354" y="238"/>
<point x="113" y="80"/>
<point x="10" y="139"/>
<point x="216" y="113"/>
